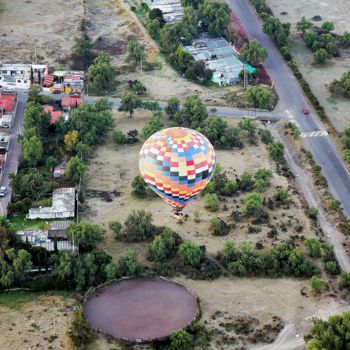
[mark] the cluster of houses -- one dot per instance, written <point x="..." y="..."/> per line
<point x="61" y="211"/>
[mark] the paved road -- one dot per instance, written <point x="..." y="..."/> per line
<point x="12" y="160"/>
<point x="292" y="100"/>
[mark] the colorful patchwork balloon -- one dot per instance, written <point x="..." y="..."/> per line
<point x="177" y="164"/>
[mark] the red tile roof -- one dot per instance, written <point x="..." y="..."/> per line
<point x="68" y="101"/>
<point x="7" y="102"/>
<point x="55" y="115"/>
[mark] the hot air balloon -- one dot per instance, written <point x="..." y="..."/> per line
<point x="177" y="164"/>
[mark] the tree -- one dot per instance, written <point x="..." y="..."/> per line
<point x="191" y="253"/>
<point x="311" y="39"/>
<point x="193" y="113"/>
<point x="303" y="25"/>
<point x="253" y="53"/>
<point x="252" y="204"/>
<point x="129" y="103"/>
<point x="211" y="202"/>
<point x="31" y="150"/>
<point x="277" y="30"/>
<point x="172" y="107"/>
<point x="85" y="235"/>
<point x="219" y="227"/>
<point x="345" y="139"/>
<point x="259" y="97"/>
<point x="29" y="184"/>
<point x="152" y="127"/>
<point x="320" y="56"/>
<point x="34" y="118"/>
<point x="317" y="284"/>
<point x="215" y="17"/>
<point x="111" y="271"/>
<point x="249" y="126"/>
<point x="139" y="187"/>
<point x="71" y="140"/>
<point x="342" y="85"/>
<point x="276" y="151"/>
<point x="331" y="334"/>
<point x="328" y="26"/>
<point x="75" y="168"/>
<point x="80" y="332"/>
<point x="314" y="247"/>
<point x="191" y="3"/>
<point x="162" y="246"/>
<point x="136" y="52"/>
<point x="138" y="226"/>
<point x="14" y="265"/>
<point x="181" y="339"/>
<point x="332" y="267"/>
<point x="83" y="47"/>
<point x="128" y="265"/>
<point x="266" y="136"/>
<point x="344" y="38"/>
<point x="262" y="178"/>
<point x="116" y="227"/>
<point x="101" y="73"/>
<point x="197" y="71"/>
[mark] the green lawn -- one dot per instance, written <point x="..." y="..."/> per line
<point x="17" y="299"/>
<point x="19" y="222"/>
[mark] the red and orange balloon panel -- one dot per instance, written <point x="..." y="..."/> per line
<point x="177" y="164"/>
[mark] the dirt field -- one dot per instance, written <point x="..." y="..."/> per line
<point x="337" y="11"/>
<point x="40" y="324"/>
<point x="113" y="169"/>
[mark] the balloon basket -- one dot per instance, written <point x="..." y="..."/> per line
<point x="178" y="216"/>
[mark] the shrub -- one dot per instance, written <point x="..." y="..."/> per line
<point x="119" y="138"/>
<point x="128" y="265"/>
<point x="80" y="332"/>
<point x="252" y="204"/>
<point x="116" y="227"/>
<point x="181" y="339"/>
<point x="345" y="280"/>
<point x="314" y="247"/>
<point x="219" y="227"/>
<point x="332" y="267"/>
<point x="162" y="247"/>
<point x="211" y="202"/>
<point x="140" y="188"/>
<point x="266" y="136"/>
<point x="317" y="284"/>
<point x="281" y="195"/>
<point x="191" y="253"/>
<point x="196" y="217"/>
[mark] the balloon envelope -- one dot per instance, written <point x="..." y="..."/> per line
<point x="177" y="164"/>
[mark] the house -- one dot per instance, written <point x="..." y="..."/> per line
<point x="63" y="206"/>
<point x="55" y="115"/>
<point x="4" y="141"/>
<point x="59" y="170"/>
<point x="21" y="76"/>
<point x="58" y="230"/>
<point x="69" y="102"/>
<point x="172" y="9"/>
<point x="8" y="104"/>
<point x="3" y="156"/>
<point x="220" y="57"/>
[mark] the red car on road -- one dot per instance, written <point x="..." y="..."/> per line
<point x="306" y="111"/>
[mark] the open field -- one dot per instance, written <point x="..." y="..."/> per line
<point x="113" y="168"/>
<point x="34" y="321"/>
<point x="318" y="77"/>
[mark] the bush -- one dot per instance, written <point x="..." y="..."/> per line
<point x="332" y="267"/>
<point x="181" y="339"/>
<point x="219" y="227"/>
<point x="128" y="265"/>
<point x="140" y="188"/>
<point x="138" y="227"/>
<point x="314" y="247"/>
<point x="317" y="284"/>
<point x="80" y="332"/>
<point x="116" y="227"/>
<point x="252" y="204"/>
<point x="191" y="253"/>
<point x="266" y="136"/>
<point x="211" y="202"/>
<point x="281" y="195"/>
<point x="162" y="247"/>
<point x="119" y="138"/>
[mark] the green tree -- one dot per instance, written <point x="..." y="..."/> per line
<point x="320" y="56"/>
<point x="344" y="282"/>
<point x="252" y="204"/>
<point x="75" y="168"/>
<point x="219" y="227"/>
<point x="193" y="113"/>
<point x="191" y="253"/>
<point x="85" y="235"/>
<point x="156" y="13"/>
<point x="101" y="73"/>
<point x="34" y="118"/>
<point x="31" y="150"/>
<point x="192" y="3"/>
<point x="328" y="26"/>
<point x="253" y="53"/>
<point x="332" y="267"/>
<point x="342" y="85"/>
<point x="111" y="271"/>
<point x="262" y="178"/>
<point x="266" y="136"/>
<point x="83" y="48"/>
<point x="215" y="17"/>
<point x="317" y="284"/>
<point x="197" y="71"/>
<point x="129" y="103"/>
<point x="344" y="38"/>
<point x="153" y="126"/>
<point x="331" y="334"/>
<point x="153" y="28"/>
<point x="116" y="227"/>
<point x="276" y="151"/>
<point x="181" y="339"/>
<point x="249" y="126"/>
<point x="80" y="332"/>
<point x="71" y="140"/>
<point x="128" y="265"/>
<point x="303" y="25"/>
<point x="259" y="97"/>
<point x="172" y="107"/>
<point x="345" y="139"/>
<point x="211" y="202"/>
<point x="136" y="52"/>
<point x="140" y="188"/>
<point x="277" y="30"/>
<point x="162" y="246"/>
<point x="29" y="184"/>
<point x="314" y="247"/>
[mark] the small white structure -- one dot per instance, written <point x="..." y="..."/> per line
<point x="18" y="76"/>
<point x="63" y="206"/>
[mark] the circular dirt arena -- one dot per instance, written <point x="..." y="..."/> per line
<point x="141" y="309"/>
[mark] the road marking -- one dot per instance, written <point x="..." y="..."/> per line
<point x="290" y="116"/>
<point x="314" y="134"/>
